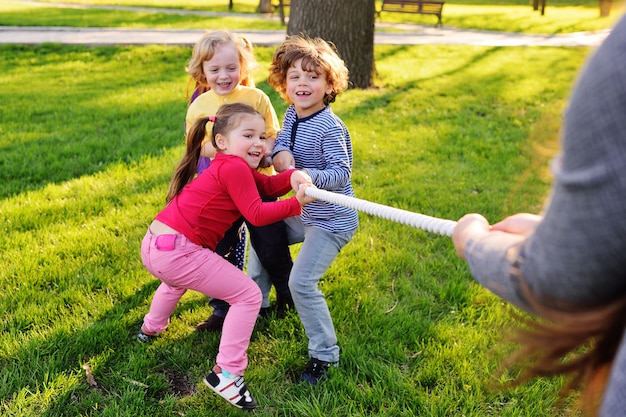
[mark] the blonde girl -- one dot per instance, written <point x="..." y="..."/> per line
<point x="222" y="65"/>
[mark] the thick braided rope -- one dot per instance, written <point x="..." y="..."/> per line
<point x="419" y="221"/>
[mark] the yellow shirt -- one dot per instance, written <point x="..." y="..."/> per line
<point x="208" y="103"/>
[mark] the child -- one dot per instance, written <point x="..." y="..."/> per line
<point x="309" y="74"/>
<point x="221" y="65"/>
<point x="179" y="245"/>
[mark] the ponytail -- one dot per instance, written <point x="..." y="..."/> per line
<point x="186" y="169"/>
<point x="227" y="118"/>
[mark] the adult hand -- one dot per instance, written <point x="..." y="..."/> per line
<point x="520" y="224"/>
<point x="468" y="226"/>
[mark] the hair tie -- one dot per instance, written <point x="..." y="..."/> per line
<point x="212" y="119"/>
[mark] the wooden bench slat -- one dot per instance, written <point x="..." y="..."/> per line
<point x="433" y="7"/>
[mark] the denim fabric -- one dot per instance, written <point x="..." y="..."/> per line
<point x="260" y="276"/>
<point x="319" y="249"/>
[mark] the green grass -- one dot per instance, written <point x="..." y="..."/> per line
<point x="16" y="13"/>
<point x="90" y="138"/>
<point x="510" y="16"/>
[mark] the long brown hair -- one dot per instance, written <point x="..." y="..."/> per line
<point x="579" y="342"/>
<point x="227" y="118"/>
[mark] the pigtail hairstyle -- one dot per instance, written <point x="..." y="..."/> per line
<point x="228" y="117"/>
<point x="317" y="56"/>
<point x="186" y="169"/>
<point x="205" y="49"/>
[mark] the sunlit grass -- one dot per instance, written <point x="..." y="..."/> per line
<point x="90" y="138"/>
<point x="15" y="13"/>
<point x="560" y="17"/>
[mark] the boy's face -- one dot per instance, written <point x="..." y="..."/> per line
<point x="306" y="89"/>
<point x="223" y="71"/>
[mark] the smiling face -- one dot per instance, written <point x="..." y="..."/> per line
<point x="306" y="89"/>
<point x="246" y="141"/>
<point x="223" y="71"/>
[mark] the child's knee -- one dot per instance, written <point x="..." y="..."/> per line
<point x="254" y="295"/>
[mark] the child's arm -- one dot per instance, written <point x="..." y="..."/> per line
<point x="299" y="178"/>
<point x="304" y="199"/>
<point x="269" y="148"/>
<point x="283" y="161"/>
<point x="244" y="187"/>
<point x="332" y="169"/>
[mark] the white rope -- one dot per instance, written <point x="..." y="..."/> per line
<point x="419" y="221"/>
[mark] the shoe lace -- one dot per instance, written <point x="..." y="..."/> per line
<point x="316" y="368"/>
<point x="239" y="382"/>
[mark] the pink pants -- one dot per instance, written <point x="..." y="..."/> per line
<point x="182" y="265"/>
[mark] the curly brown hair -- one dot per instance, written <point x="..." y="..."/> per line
<point x="317" y="55"/>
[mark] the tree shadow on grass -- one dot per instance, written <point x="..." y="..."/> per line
<point x="76" y="110"/>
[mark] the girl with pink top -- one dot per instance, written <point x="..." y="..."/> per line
<point x="179" y="245"/>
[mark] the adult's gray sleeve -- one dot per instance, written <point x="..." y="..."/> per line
<point x="578" y="252"/>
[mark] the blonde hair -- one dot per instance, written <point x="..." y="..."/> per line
<point x="317" y="55"/>
<point x="205" y="49"/>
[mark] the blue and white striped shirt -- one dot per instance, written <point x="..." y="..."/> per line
<point x="320" y="144"/>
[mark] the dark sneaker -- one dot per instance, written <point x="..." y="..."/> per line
<point x="233" y="390"/>
<point x="284" y="303"/>
<point x="212" y="324"/>
<point x="317" y="371"/>
<point x="145" y="336"/>
<point x="265" y="312"/>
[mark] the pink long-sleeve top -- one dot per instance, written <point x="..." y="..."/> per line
<point x="207" y="207"/>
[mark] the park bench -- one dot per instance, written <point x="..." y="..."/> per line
<point x="278" y="6"/>
<point x="413" y="6"/>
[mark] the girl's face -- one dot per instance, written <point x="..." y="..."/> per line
<point x="306" y="89"/>
<point x="223" y="71"/>
<point x="246" y="141"/>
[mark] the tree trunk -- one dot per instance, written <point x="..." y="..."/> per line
<point x="349" y="24"/>
<point x="265" y="6"/>
<point x="605" y="8"/>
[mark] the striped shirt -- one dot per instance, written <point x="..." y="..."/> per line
<point x="320" y="144"/>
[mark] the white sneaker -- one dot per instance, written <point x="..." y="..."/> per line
<point x="233" y="390"/>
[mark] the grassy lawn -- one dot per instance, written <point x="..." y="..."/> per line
<point x="510" y="16"/>
<point x="90" y="138"/>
